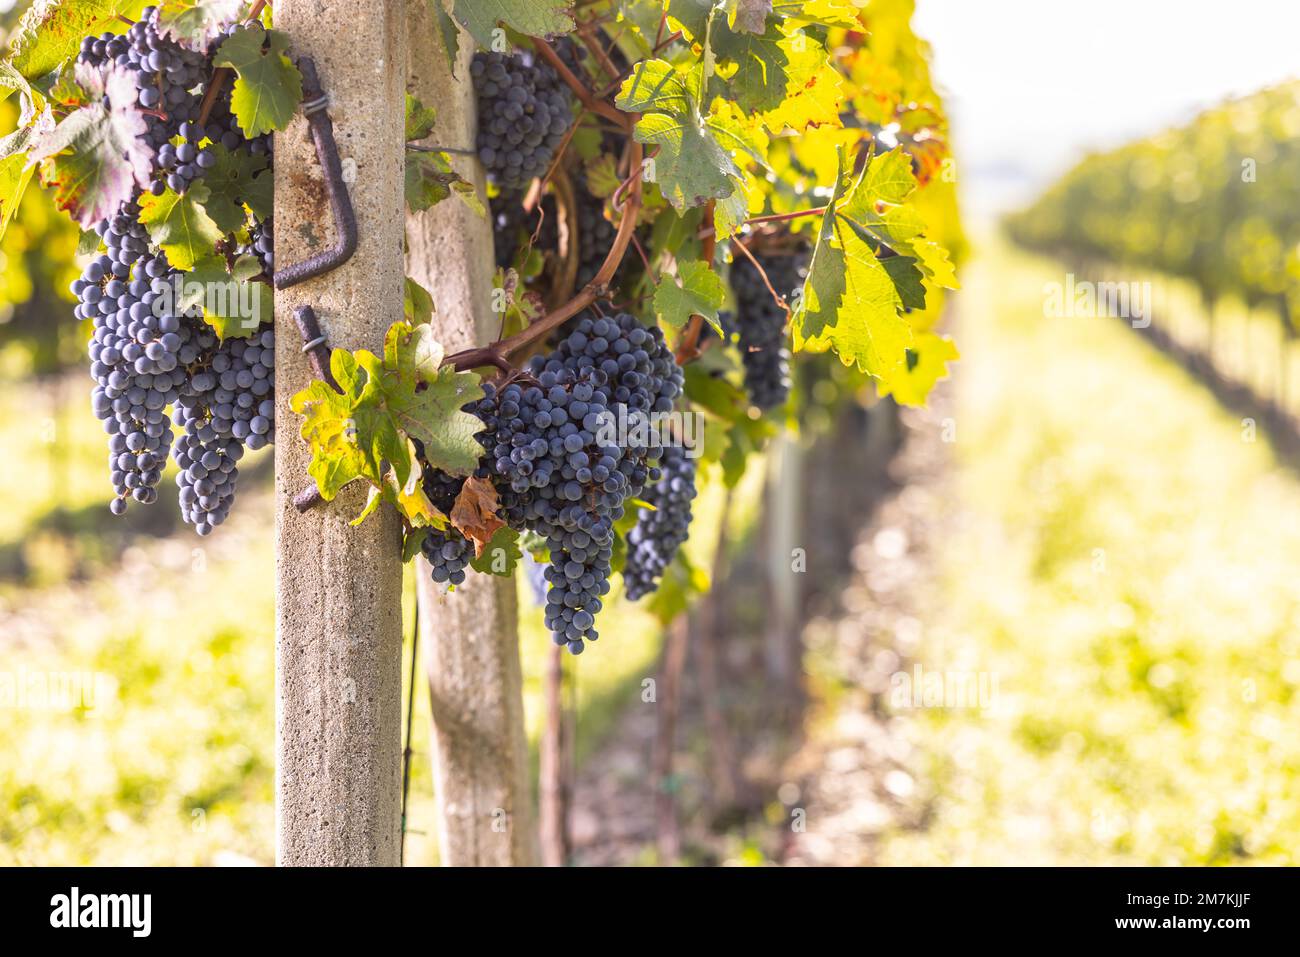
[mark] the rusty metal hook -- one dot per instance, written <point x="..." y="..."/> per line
<point x="327" y="152"/>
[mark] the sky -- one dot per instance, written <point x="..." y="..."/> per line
<point x="1031" y="85"/>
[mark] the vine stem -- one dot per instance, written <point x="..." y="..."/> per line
<point x="780" y="300"/>
<point x="222" y="73"/>
<point x="593" y="46"/>
<point x="587" y="98"/>
<point x="773" y="218"/>
<point x="498" y="353"/>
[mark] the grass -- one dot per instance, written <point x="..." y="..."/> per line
<point x="1126" y="567"/>
<point x="169" y="757"/>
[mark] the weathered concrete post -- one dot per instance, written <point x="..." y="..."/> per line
<point x="338" y="588"/>
<point x="485" y="809"/>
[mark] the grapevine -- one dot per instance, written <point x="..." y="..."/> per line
<point x="555" y="433"/>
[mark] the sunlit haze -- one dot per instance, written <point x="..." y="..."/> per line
<point x="1030" y="85"/>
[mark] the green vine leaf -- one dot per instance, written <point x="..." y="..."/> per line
<point x="694" y="163"/>
<point x="927" y="363"/>
<point x="696" y="290"/>
<point x="268" y="87"/>
<point x="425" y="400"/>
<point x="196" y="23"/>
<point x="180" y="225"/>
<point x="419" y="119"/>
<point x="15" y="174"/>
<point x="682" y="581"/>
<point x="534" y="18"/>
<point x="412" y="542"/>
<point x="232" y="306"/>
<point x="501" y="555"/>
<point x="366" y="430"/>
<point x="852" y="299"/>
<point x="97" y="157"/>
<point x="49" y="33"/>
<point x="417" y="304"/>
<point x="429" y="177"/>
<point x="447" y="32"/>
<point x="234" y="180"/>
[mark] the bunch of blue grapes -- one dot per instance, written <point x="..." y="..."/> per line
<point x="165" y="75"/>
<point x="139" y="358"/>
<point x="448" y="553"/>
<point x="261" y="243"/>
<point x="659" y="532"/>
<point x="446" y="549"/>
<point x="554" y="452"/>
<point x="149" y="356"/>
<point x="760" y="325"/>
<point x="524" y="112"/>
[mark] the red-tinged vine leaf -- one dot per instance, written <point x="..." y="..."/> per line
<point x="501" y="555"/>
<point x="268" y="87"/>
<point x="179" y="224"/>
<point x="196" y="23"/>
<point x="534" y="18"/>
<point x="748" y="16"/>
<point x="232" y="182"/>
<point x="97" y="157"/>
<point x="50" y="32"/>
<point x="475" y="512"/>
<point x="694" y="162"/>
<point x="696" y="290"/>
<point x="425" y="399"/>
<point x="927" y="363"/>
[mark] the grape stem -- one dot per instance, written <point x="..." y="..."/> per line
<point x="593" y="46"/>
<point x="780" y="301"/>
<point x="585" y="96"/>
<point x="774" y="218"/>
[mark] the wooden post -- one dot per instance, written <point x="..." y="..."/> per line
<point x="784" y="523"/>
<point x="553" y="767"/>
<point x="485" y="803"/>
<point x="339" y="588"/>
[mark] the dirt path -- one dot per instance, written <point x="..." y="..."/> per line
<point x="853" y="778"/>
<point x="818" y="792"/>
